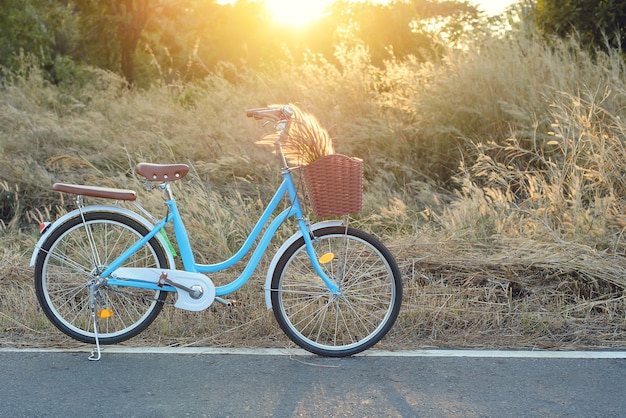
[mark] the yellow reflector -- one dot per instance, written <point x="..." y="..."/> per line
<point x="105" y="313"/>
<point x="326" y="258"/>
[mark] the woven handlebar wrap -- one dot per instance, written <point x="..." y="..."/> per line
<point x="334" y="184"/>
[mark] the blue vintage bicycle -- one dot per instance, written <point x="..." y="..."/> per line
<point x="103" y="273"/>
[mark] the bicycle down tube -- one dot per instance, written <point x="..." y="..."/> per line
<point x="287" y="187"/>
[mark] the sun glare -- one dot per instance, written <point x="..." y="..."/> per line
<point x="297" y="12"/>
<point x="301" y="12"/>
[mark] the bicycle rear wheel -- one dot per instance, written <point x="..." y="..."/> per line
<point x="337" y="325"/>
<point x="72" y="258"/>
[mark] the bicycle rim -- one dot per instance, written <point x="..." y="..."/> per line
<point x="73" y="257"/>
<point x="341" y="325"/>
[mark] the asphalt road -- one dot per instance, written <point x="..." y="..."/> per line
<point x="37" y="384"/>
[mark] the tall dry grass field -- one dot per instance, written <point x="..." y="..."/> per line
<point x="496" y="176"/>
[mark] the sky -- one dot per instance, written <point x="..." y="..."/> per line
<point x="299" y="12"/>
<point x="493" y="7"/>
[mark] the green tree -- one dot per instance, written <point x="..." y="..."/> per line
<point x="187" y="38"/>
<point x="409" y="27"/>
<point x="45" y="30"/>
<point x="599" y="23"/>
<point x="112" y="30"/>
<point x="23" y="30"/>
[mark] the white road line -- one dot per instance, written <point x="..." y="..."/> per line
<point x="368" y="353"/>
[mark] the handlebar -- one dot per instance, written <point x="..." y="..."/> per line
<point x="273" y="113"/>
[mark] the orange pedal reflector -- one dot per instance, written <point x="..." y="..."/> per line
<point x="105" y="313"/>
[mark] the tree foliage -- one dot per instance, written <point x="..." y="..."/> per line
<point x="144" y="39"/>
<point x="115" y="26"/>
<point x="23" y="28"/>
<point x="599" y="23"/>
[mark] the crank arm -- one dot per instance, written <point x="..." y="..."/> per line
<point x="163" y="280"/>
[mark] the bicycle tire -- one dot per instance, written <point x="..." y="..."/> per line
<point x="344" y="325"/>
<point x="70" y="258"/>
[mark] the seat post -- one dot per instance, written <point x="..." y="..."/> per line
<point x="167" y="188"/>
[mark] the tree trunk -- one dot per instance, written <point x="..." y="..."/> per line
<point x="128" y="46"/>
<point x="133" y="15"/>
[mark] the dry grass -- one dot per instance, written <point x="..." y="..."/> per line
<point x="514" y="294"/>
<point x="523" y="246"/>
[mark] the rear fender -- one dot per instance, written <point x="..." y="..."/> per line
<point x="281" y="251"/>
<point x="110" y="209"/>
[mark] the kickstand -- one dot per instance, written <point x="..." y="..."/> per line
<point x="96" y="353"/>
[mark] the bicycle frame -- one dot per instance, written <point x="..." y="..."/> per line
<point x="287" y="187"/>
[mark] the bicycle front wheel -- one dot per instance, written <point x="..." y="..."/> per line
<point x="71" y="259"/>
<point x="352" y="321"/>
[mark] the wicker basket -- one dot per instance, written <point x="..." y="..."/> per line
<point x="334" y="184"/>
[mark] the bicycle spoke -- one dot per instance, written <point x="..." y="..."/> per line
<point x="350" y="321"/>
<point x="70" y="261"/>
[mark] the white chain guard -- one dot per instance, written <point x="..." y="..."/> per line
<point x="186" y="278"/>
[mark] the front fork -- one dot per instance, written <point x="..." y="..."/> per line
<point x="309" y="238"/>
